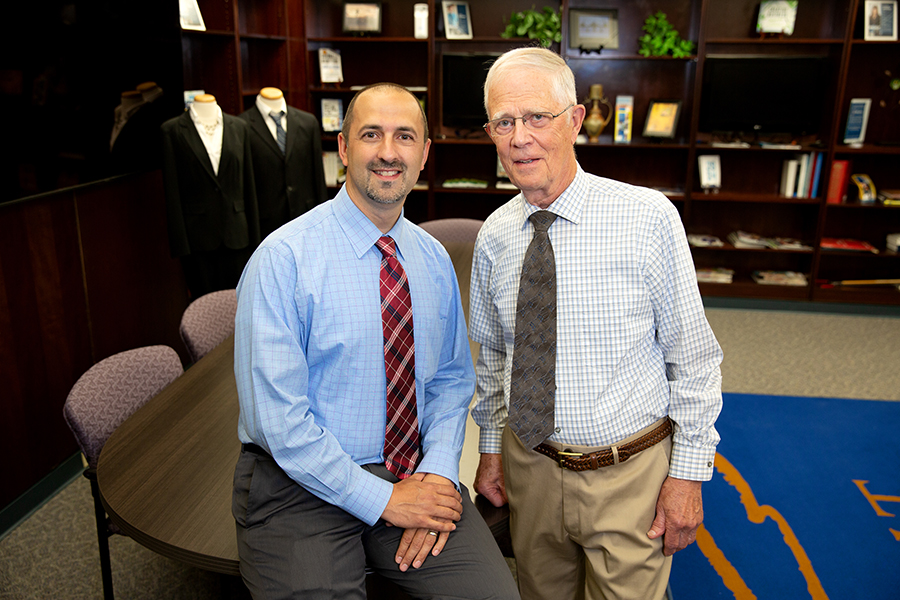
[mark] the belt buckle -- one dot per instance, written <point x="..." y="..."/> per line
<point x="562" y="456"/>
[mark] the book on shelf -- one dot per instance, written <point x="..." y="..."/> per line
<point x="889" y="197"/>
<point x="332" y="114"/>
<point x="330" y="69"/>
<point x="837" y="182"/>
<point x="802" y="176"/>
<point x="779" y="278"/>
<point x="715" y="275"/>
<point x="789" y="177"/>
<point x="777" y="16"/>
<point x="335" y="171"/>
<point x="817" y="175"/>
<point x="847" y="244"/>
<point x="704" y="241"/>
<point x="624" y="113"/>
<point x="857" y="119"/>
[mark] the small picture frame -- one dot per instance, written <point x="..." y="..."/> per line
<point x="857" y="120"/>
<point x="710" y="171"/>
<point x="865" y="189"/>
<point x="190" y="16"/>
<point x="361" y="18"/>
<point x="457" y="20"/>
<point x="593" y="29"/>
<point x="777" y="16"/>
<point x="880" y="20"/>
<point x="662" y="118"/>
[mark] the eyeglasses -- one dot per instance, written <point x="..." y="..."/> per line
<point x="534" y="121"/>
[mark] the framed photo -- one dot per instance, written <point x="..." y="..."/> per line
<point x="593" y="29"/>
<point x="880" y="20"/>
<point x="857" y="120"/>
<point x="662" y="118"/>
<point x="189" y="13"/>
<point x="457" y="20"/>
<point x="865" y="189"/>
<point x="710" y="171"/>
<point x="362" y="17"/>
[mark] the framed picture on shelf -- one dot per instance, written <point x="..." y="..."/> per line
<point x="593" y="29"/>
<point x="662" y="118"/>
<point x="457" y="20"/>
<point x="857" y="120"/>
<point x="880" y="20"/>
<point x="190" y="15"/>
<point x="710" y="171"/>
<point x="777" y="16"/>
<point x="362" y="17"/>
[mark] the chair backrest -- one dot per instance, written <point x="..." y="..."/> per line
<point x="458" y="237"/>
<point x="208" y="322"/>
<point x="112" y="390"/>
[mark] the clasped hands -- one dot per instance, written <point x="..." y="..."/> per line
<point x="427" y="506"/>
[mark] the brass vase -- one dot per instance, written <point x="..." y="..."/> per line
<point x="594" y="123"/>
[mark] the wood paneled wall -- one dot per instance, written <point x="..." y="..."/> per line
<point x="84" y="273"/>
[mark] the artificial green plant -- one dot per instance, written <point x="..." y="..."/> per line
<point x="544" y="26"/>
<point x="661" y="39"/>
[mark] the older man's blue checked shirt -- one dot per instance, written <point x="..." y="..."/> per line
<point x="633" y="342"/>
<point x="309" y="354"/>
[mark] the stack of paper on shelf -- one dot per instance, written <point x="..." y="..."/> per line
<point x="743" y="239"/>
<point x="704" y="241"/>
<point x="847" y="244"/>
<point x="779" y="278"/>
<point x="716" y="275"/>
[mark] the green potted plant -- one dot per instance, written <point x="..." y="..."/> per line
<point x="544" y="26"/>
<point x="661" y="39"/>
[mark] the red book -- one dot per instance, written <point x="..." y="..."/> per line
<point x="837" y="183"/>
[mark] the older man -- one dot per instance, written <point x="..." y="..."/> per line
<point x="596" y="356"/>
<point x="354" y="375"/>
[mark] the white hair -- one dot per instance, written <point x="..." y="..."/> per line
<point x="562" y="80"/>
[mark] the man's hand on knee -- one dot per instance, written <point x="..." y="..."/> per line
<point x="419" y="504"/>
<point x="416" y="544"/>
<point x="679" y="512"/>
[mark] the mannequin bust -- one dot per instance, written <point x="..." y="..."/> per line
<point x="130" y="99"/>
<point x="206" y="108"/>
<point x="272" y="97"/>
<point x="149" y="90"/>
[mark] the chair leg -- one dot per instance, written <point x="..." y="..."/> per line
<point x="102" y="540"/>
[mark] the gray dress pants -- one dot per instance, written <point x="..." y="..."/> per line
<point x="294" y="545"/>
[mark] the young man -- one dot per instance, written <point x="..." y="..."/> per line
<point x="594" y="348"/>
<point x="354" y="375"/>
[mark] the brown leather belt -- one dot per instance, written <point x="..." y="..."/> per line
<point x="576" y="461"/>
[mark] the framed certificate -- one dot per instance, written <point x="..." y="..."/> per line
<point x="857" y="119"/>
<point x="593" y="29"/>
<point x="362" y="17"/>
<point x="777" y="16"/>
<point x="662" y="118"/>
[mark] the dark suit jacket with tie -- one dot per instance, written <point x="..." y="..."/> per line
<point x="289" y="184"/>
<point x="208" y="211"/>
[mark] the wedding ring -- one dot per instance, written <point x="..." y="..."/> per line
<point x="432" y="533"/>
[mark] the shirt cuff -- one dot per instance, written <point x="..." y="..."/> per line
<point x="490" y="441"/>
<point x="369" y="505"/>
<point x="693" y="464"/>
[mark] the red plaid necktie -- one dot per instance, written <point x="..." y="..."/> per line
<point x="401" y="437"/>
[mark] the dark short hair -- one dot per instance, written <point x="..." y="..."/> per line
<point x="348" y="117"/>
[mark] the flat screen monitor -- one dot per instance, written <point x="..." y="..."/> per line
<point x="462" y="82"/>
<point x="751" y="95"/>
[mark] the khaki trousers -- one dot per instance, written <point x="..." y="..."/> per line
<point x="584" y="534"/>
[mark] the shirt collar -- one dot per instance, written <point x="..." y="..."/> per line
<point x="265" y="110"/>
<point x="360" y="231"/>
<point x="569" y="205"/>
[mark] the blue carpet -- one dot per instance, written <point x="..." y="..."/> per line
<point x="804" y="503"/>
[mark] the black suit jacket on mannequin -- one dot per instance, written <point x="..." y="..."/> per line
<point x="207" y="211"/>
<point x="287" y="185"/>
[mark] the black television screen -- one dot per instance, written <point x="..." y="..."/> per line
<point x="462" y="83"/>
<point x="763" y="94"/>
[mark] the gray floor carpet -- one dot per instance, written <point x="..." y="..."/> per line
<point x="53" y="554"/>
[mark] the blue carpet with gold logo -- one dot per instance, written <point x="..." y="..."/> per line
<point x="804" y="503"/>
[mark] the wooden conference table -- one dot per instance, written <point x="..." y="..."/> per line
<point x="166" y="473"/>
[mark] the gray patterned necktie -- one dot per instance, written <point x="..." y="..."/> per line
<point x="533" y="385"/>
<point x="280" y="133"/>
